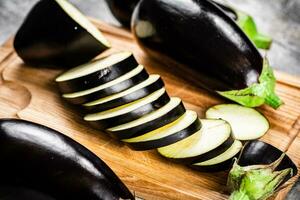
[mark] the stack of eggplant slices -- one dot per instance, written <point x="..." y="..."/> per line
<point x="118" y="96"/>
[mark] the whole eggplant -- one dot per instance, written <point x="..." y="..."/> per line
<point x="41" y="159"/>
<point x="217" y="54"/>
<point x="122" y="10"/>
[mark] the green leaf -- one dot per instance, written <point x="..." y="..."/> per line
<point x="258" y="93"/>
<point x="247" y="24"/>
<point x="256" y="182"/>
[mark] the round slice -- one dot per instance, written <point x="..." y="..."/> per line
<point x="246" y="123"/>
<point x="152" y="84"/>
<point x="181" y="128"/>
<point x="97" y="72"/>
<point x="130" y="79"/>
<point x="213" y="139"/>
<point x="154" y="120"/>
<point x="221" y="162"/>
<point x="129" y="112"/>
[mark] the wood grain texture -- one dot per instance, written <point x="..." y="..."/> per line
<point x="146" y="173"/>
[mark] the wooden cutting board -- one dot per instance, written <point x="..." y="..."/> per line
<point x="30" y="93"/>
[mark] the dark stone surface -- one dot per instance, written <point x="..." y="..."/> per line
<point x="277" y="18"/>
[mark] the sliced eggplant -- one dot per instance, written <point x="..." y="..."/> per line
<point x="214" y="52"/>
<point x="152" y="84"/>
<point x="41" y="159"/>
<point x="221" y="162"/>
<point x="246" y="123"/>
<point x="154" y="120"/>
<point x="56" y="34"/>
<point x="181" y="128"/>
<point x="129" y="112"/>
<point x="97" y="72"/>
<point x="117" y="85"/>
<point x="213" y="139"/>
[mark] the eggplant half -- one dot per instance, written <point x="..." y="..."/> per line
<point x="154" y="120"/>
<point x="213" y="139"/>
<point x="41" y="159"/>
<point x="217" y="54"/>
<point x="259" y="172"/>
<point x="122" y="10"/>
<point x="143" y="89"/>
<point x="100" y="71"/>
<point x="246" y="123"/>
<point x="221" y="162"/>
<point x="124" y="82"/>
<point x="56" y="34"/>
<point x="128" y="112"/>
<point x="181" y="128"/>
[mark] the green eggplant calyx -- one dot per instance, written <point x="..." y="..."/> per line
<point x="247" y="24"/>
<point x="255" y="182"/>
<point x="258" y="93"/>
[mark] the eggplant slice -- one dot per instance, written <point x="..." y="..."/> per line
<point x="154" y="120"/>
<point x="97" y="72"/>
<point x="128" y="112"/>
<point x="246" y="123"/>
<point x="56" y="34"/>
<point x="181" y="128"/>
<point x="143" y="89"/>
<point x="213" y="139"/>
<point x="120" y="84"/>
<point x="221" y="162"/>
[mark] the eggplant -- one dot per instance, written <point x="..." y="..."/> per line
<point x="97" y="72"/>
<point x="41" y="159"/>
<point x="122" y="10"/>
<point x="248" y="25"/>
<point x="246" y="123"/>
<point x="154" y="120"/>
<point x="213" y="139"/>
<point x="17" y="193"/>
<point x="216" y="53"/>
<point x="128" y="112"/>
<point x="56" y="34"/>
<point x="221" y="162"/>
<point x="141" y="90"/>
<point x="181" y="128"/>
<point x="294" y="193"/>
<point x="259" y="172"/>
<point x="124" y="82"/>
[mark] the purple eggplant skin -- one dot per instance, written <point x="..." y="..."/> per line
<point x="199" y="34"/>
<point x="294" y="193"/>
<point x="49" y="37"/>
<point x="260" y="153"/>
<point x="122" y="10"/>
<point x="42" y="159"/>
<point x="19" y="193"/>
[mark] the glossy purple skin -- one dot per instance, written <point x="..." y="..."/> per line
<point x="49" y="37"/>
<point x="260" y="153"/>
<point x="122" y="10"/>
<point x="216" y="52"/>
<point x="35" y="157"/>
